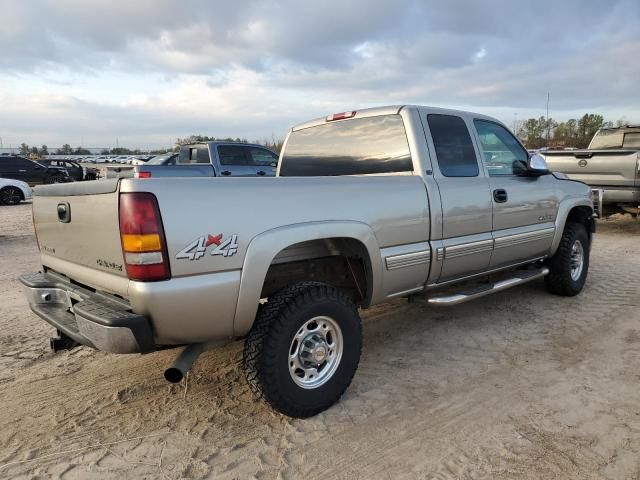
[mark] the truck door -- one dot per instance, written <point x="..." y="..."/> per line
<point x="233" y="161"/>
<point x="466" y="200"/>
<point x="262" y="162"/>
<point x="524" y="208"/>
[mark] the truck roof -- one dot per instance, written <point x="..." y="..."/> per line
<point x="627" y="127"/>
<point x="222" y="142"/>
<point x="391" y="110"/>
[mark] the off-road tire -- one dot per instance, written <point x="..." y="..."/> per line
<point x="266" y="351"/>
<point x="559" y="281"/>
<point x="10" y="195"/>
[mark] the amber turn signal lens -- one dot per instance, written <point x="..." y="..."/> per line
<point x="141" y="243"/>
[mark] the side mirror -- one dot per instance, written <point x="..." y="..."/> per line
<point x="537" y="165"/>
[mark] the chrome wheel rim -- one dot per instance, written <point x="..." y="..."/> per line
<point x="577" y="260"/>
<point x="315" y="352"/>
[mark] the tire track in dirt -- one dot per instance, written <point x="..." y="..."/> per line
<point x="519" y="384"/>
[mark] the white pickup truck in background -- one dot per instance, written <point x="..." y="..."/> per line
<point x="610" y="165"/>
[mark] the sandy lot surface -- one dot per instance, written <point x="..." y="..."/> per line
<point x="520" y="384"/>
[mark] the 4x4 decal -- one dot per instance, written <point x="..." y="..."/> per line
<point x="227" y="247"/>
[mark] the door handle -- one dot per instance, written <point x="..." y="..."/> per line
<point x="226" y="172"/>
<point x="261" y="173"/>
<point x="22" y="171"/>
<point x="500" y="195"/>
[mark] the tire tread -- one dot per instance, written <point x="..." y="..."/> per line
<point x="558" y="281"/>
<point x="271" y="322"/>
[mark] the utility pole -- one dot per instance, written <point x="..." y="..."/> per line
<point x="548" y="126"/>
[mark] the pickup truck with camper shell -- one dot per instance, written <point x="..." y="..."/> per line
<point x="367" y="206"/>
<point x="610" y="166"/>
<point x="76" y="171"/>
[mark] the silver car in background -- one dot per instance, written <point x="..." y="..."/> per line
<point x="13" y="192"/>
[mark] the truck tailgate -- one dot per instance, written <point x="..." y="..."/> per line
<point x="597" y="167"/>
<point x="77" y="226"/>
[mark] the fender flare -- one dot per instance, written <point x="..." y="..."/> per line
<point x="264" y="247"/>
<point x="563" y="213"/>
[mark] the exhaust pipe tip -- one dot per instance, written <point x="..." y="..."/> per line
<point x="183" y="363"/>
<point x="173" y="375"/>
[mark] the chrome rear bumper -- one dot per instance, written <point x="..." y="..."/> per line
<point x="89" y="318"/>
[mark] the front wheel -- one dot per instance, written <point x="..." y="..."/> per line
<point x="569" y="265"/>
<point x="304" y="348"/>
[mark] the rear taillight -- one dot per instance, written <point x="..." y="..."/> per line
<point x="340" y="116"/>
<point x="142" y="236"/>
<point x="142" y="174"/>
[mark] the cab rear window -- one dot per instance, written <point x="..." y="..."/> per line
<point x="360" y="146"/>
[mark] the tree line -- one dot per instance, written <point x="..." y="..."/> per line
<point x="66" y="149"/>
<point x="546" y="132"/>
<point x="272" y="143"/>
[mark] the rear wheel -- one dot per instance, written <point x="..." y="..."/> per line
<point x="304" y="348"/>
<point x="10" y="195"/>
<point x="569" y="266"/>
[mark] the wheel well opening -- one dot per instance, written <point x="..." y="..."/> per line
<point x="341" y="262"/>
<point x="584" y="215"/>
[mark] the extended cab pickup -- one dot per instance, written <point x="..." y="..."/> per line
<point x="367" y="206"/>
<point x="611" y="165"/>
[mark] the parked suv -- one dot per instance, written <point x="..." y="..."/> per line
<point x="33" y="173"/>
<point x="76" y="171"/>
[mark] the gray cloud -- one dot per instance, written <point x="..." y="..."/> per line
<point x="301" y="58"/>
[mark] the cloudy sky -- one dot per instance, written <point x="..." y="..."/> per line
<point x="148" y="71"/>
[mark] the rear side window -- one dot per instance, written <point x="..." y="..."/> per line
<point x="24" y="163"/>
<point x="260" y="157"/>
<point x="8" y="163"/>
<point x="454" y="150"/>
<point x="351" y="147"/>
<point x="195" y="154"/>
<point x="631" y="140"/>
<point x="232" y="155"/>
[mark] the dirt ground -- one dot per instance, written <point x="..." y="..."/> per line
<point x="520" y="384"/>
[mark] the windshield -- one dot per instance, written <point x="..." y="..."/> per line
<point x="159" y="159"/>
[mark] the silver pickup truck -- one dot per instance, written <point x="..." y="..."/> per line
<point x="367" y="206"/>
<point x="610" y="165"/>
<point x="215" y="159"/>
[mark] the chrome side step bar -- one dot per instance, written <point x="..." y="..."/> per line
<point x="472" y="294"/>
